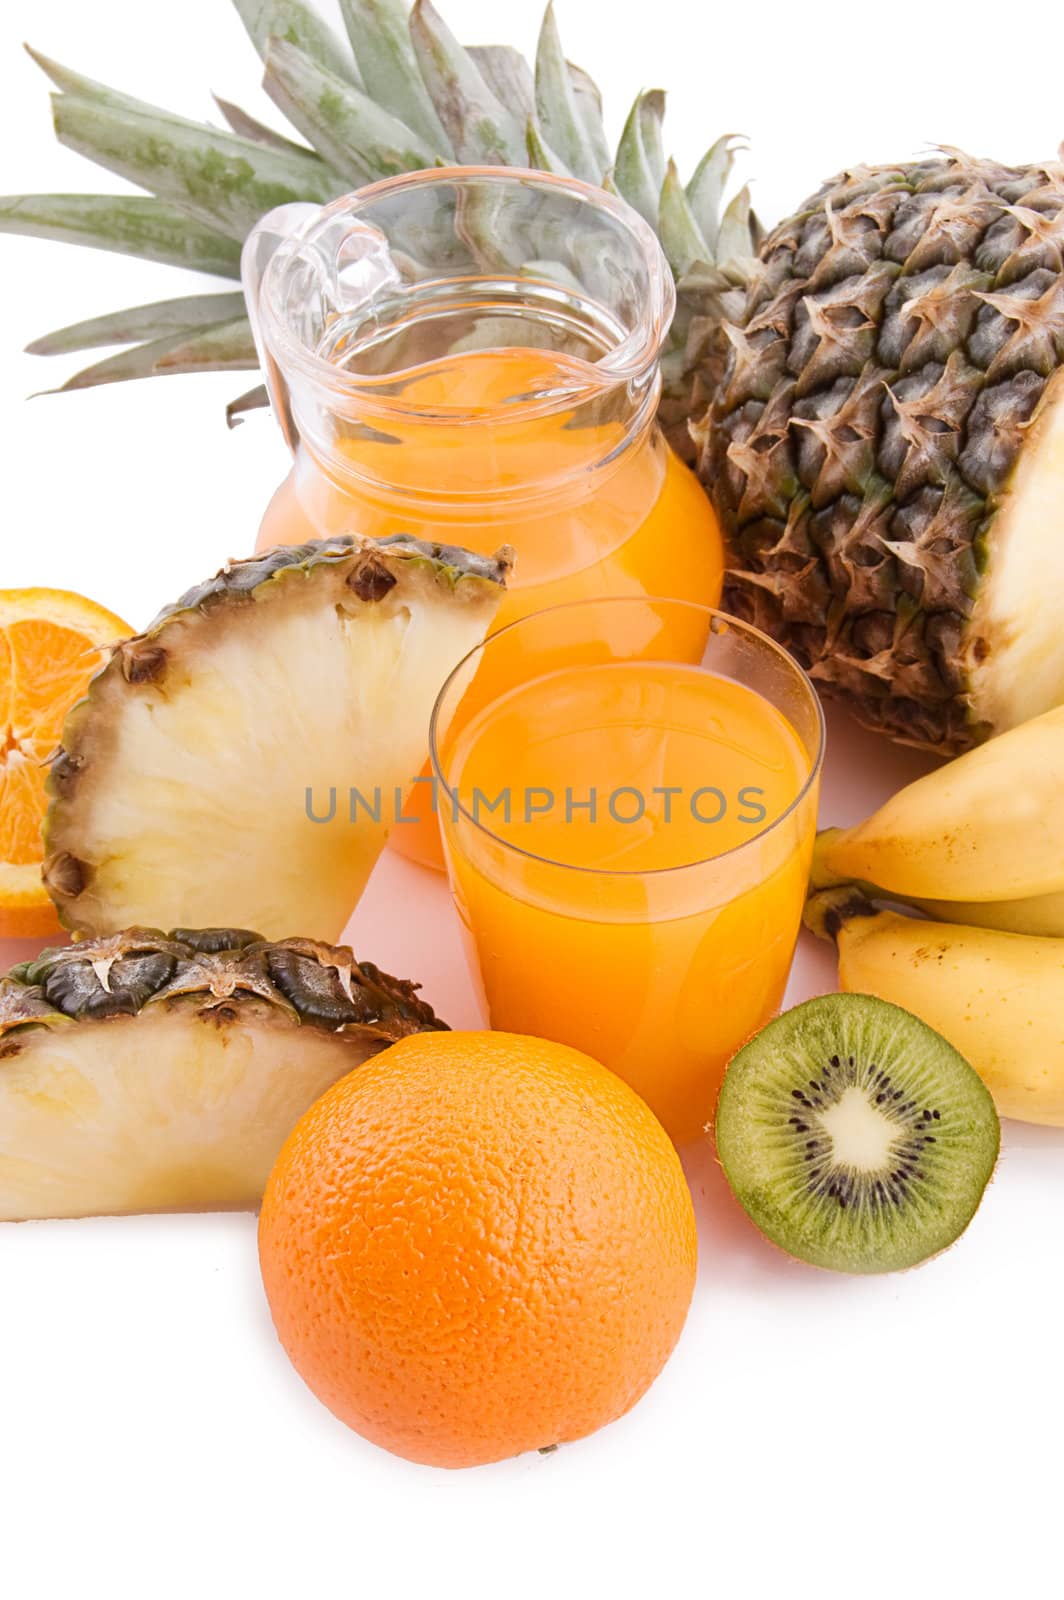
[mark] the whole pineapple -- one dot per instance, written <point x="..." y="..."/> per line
<point x="887" y="447"/>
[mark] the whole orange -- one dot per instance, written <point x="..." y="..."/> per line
<point x="478" y="1244"/>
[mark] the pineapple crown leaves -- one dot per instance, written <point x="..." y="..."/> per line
<point x="399" y="93"/>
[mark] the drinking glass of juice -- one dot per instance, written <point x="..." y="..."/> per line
<point x="470" y="355"/>
<point x="627" y="789"/>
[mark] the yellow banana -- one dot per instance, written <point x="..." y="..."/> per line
<point x="997" y="997"/>
<point x="984" y="827"/>
<point x="1039" y="914"/>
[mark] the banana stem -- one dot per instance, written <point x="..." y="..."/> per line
<point x="828" y="910"/>
<point x="820" y="874"/>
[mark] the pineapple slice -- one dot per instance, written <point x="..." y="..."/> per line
<point x="240" y="763"/>
<point x="153" y="1072"/>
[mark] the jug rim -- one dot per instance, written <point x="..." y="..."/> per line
<point x="631" y="360"/>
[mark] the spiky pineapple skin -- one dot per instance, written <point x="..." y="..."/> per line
<point x="152" y="1070"/>
<point x="319" y="985"/>
<point x="335" y="578"/>
<point x="900" y="335"/>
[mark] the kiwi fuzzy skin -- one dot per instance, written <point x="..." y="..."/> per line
<point x="757" y="1146"/>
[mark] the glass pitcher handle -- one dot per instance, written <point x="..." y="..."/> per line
<point x="269" y="232"/>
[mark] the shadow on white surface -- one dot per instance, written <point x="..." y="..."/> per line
<point x="731" y="1251"/>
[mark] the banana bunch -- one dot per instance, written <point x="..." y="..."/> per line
<point x="979" y="841"/>
<point x="977" y="847"/>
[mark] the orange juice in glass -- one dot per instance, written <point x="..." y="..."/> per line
<point x="471" y="355"/>
<point x="627" y="791"/>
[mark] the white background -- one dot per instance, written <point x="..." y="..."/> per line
<point x="812" y="1435"/>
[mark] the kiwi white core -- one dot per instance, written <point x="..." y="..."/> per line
<point x="861" y="1136"/>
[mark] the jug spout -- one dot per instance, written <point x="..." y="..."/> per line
<point x="303" y="267"/>
<point x="452" y="298"/>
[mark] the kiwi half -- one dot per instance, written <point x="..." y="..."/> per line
<point x="855" y="1136"/>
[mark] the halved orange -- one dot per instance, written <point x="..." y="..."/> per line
<point x="51" y="643"/>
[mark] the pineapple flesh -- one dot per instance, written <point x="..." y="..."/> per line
<point x="887" y="448"/>
<point x="155" y="1072"/>
<point x="208" y="777"/>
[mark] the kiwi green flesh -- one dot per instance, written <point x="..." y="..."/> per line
<point x="855" y="1136"/>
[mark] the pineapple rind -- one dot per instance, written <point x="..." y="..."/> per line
<point x="320" y="985"/>
<point x="184" y="788"/>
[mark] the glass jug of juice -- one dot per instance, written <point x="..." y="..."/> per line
<point x="471" y="355"/>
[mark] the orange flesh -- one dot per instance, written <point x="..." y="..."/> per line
<point x="45" y="669"/>
<point x="660" y="977"/>
<point x="49" y="649"/>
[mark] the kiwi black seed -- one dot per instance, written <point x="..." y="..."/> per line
<point x="855" y="1136"/>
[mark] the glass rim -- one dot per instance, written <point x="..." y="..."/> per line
<point x="719" y="621"/>
<point x="627" y="361"/>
